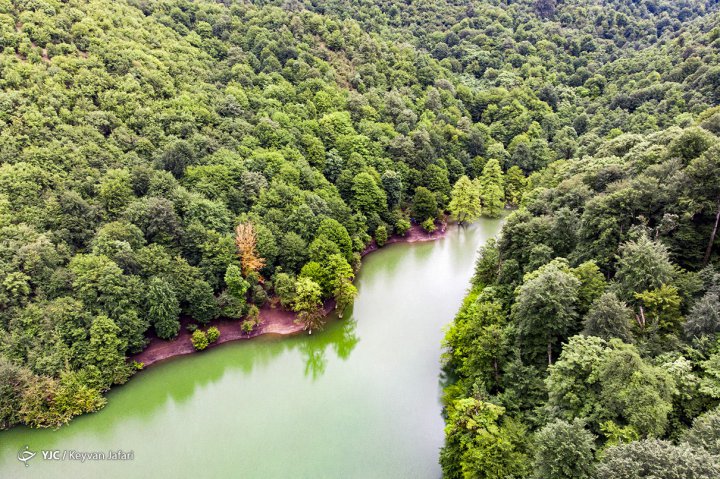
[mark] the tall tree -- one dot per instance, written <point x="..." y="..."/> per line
<point x="609" y="318"/>
<point x="308" y="303"/>
<point x="515" y="184"/>
<point x="704" y="192"/>
<point x="564" y="451"/>
<point x="424" y="204"/>
<point x="655" y="458"/>
<point x="106" y="352"/>
<point x="643" y="265"/>
<point x="345" y="293"/>
<point x="202" y="305"/>
<point x="482" y="442"/>
<point x="163" y="308"/>
<point x="367" y="196"/>
<point x="491" y="188"/>
<point x="546" y="310"/>
<point x="465" y="201"/>
<point x="246" y="242"/>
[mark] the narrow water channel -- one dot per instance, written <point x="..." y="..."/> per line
<point x="358" y="400"/>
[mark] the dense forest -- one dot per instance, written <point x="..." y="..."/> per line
<point x="588" y="344"/>
<point x="173" y="158"/>
<point x="162" y="159"/>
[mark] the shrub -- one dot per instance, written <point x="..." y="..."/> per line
<point x="259" y="296"/>
<point x="381" y="236"/>
<point x="199" y="340"/>
<point x="429" y="225"/>
<point x="247" y="326"/>
<point x="213" y="334"/>
<point x="402" y="227"/>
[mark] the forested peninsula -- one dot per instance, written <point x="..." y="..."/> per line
<point x="207" y="159"/>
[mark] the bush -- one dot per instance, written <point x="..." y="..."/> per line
<point x="402" y="226"/>
<point x="252" y="321"/>
<point x="259" y="296"/>
<point x="213" y="334"/>
<point x="429" y="225"/>
<point x="381" y="236"/>
<point x="199" y="340"/>
<point x="248" y="326"/>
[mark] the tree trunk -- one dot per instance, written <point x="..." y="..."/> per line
<point x="497" y="372"/>
<point x="549" y="353"/>
<point x="708" y="251"/>
<point x="641" y="318"/>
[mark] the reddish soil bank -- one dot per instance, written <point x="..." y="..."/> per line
<point x="414" y="235"/>
<point x="274" y="319"/>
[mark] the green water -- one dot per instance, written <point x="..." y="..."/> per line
<point x="358" y="400"/>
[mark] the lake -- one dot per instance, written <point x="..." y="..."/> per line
<point x="360" y="399"/>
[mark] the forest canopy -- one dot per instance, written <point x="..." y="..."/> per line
<point x="201" y="159"/>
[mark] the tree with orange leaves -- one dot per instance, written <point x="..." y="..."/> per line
<point x="246" y="241"/>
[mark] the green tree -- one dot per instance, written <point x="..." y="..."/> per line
<point x="163" y="308"/>
<point x="308" y="303"/>
<point x="704" y="317"/>
<point x="424" y="204"/>
<point x="564" y="450"/>
<point x="661" y="308"/>
<point x="237" y="288"/>
<point x="655" y="458"/>
<point x="115" y="191"/>
<point x="201" y="303"/>
<point x="14" y="380"/>
<point x="492" y="192"/>
<point x="106" y="352"/>
<point x="546" y="310"/>
<point x="573" y="386"/>
<point x="381" y="235"/>
<point x="592" y="284"/>
<point x="393" y="186"/>
<point x="338" y="234"/>
<point x="213" y="334"/>
<point x="705" y="432"/>
<point x="345" y="293"/>
<point x="465" y="201"/>
<point x="176" y="157"/>
<point x="482" y="442"/>
<point x="609" y="318"/>
<point x="515" y="184"/>
<point x="643" y="265"/>
<point x="635" y="391"/>
<point x="368" y="197"/>
<point x="285" y="289"/>
<point x="703" y="193"/>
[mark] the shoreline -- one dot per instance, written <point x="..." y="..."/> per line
<point x="275" y="320"/>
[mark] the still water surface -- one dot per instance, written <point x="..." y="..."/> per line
<point x="358" y="400"/>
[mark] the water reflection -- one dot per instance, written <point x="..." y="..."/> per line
<point x="154" y="389"/>
<point x="349" y="339"/>
<point x="315" y="360"/>
<point x="306" y="406"/>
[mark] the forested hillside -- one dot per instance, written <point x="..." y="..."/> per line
<point x="587" y="346"/>
<point x="168" y="158"/>
<point x="202" y="158"/>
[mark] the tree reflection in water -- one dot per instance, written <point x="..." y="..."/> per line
<point x="341" y="334"/>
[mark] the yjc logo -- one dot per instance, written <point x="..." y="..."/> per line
<point x="24" y="455"/>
